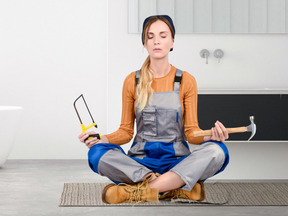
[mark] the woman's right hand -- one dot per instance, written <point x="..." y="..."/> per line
<point x="219" y="133"/>
<point x="93" y="141"/>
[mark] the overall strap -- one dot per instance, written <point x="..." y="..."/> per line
<point x="137" y="77"/>
<point x="177" y="80"/>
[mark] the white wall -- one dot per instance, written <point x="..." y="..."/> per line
<point x="52" y="51"/>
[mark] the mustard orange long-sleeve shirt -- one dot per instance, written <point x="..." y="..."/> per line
<point x="188" y="97"/>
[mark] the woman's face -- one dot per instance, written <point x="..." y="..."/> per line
<point x="159" y="40"/>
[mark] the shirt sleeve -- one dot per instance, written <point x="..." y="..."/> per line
<point x="126" y="130"/>
<point x="190" y="100"/>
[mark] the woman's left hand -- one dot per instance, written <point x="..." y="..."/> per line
<point x="219" y="133"/>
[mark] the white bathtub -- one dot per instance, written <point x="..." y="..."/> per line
<point x="10" y="118"/>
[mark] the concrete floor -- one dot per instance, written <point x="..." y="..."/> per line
<point x="33" y="187"/>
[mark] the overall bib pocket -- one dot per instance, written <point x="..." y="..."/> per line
<point x="149" y="121"/>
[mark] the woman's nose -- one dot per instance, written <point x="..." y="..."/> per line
<point x="156" y="40"/>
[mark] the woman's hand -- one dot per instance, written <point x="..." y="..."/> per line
<point x="92" y="141"/>
<point x="219" y="133"/>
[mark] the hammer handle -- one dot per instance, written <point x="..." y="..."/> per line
<point x="229" y="130"/>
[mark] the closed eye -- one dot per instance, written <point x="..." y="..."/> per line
<point x="162" y="35"/>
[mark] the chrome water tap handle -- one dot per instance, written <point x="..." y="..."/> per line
<point x="218" y="53"/>
<point x="205" y="54"/>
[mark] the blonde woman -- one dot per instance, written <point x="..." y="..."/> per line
<point x="163" y="99"/>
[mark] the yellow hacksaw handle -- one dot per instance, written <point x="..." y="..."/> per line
<point x="84" y="129"/>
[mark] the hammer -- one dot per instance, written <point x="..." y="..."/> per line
<point x="250" y="128"/>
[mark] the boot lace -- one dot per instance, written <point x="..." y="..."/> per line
<point x="135" y="191"/>
<point x="175" y="194"/>
<point x="178" y="194"/>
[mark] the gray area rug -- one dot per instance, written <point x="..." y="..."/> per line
<point x="226" y="194"/>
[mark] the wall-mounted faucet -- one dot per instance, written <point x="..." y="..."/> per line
<point x="205" y="54"/>
<point x="218" y="53"/>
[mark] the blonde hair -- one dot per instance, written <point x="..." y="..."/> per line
<point x="144" y="89"/>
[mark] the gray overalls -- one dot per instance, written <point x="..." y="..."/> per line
<point x="159" y="146"/>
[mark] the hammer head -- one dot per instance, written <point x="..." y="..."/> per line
<point x="251" y="128"/>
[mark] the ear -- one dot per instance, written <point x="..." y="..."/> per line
<point x="172" y="44"/>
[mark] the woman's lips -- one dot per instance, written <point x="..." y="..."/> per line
<point x="157" y="49"/>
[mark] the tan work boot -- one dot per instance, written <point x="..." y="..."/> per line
<point x="197" y="193"/>
<point x="123" y="193"/>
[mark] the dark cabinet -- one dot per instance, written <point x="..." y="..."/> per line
<point x="233" y="110"/>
